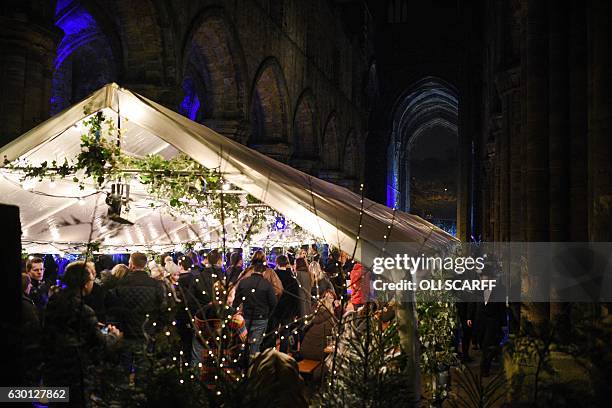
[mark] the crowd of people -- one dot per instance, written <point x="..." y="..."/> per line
<point x="224" y="310"/>
<point x="214" y="303"/>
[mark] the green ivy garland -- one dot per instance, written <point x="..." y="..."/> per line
<point x="183" y="183"/>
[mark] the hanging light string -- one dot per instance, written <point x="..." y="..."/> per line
<point x="343" y="297"/>
<point x="340" y="326"/>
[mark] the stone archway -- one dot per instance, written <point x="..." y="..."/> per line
<point x="427" y="108"/>
<point x="86" y="58"/>
<point x="305" y="140"/>
<point x="213" y="79"/>
<point x="268" y="113"/>
<point x="330" y="151"/>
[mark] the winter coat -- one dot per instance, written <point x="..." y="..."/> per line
<point x="31" y="338"/>
<point x="304" y="279"/>
<point x="73" y="342"/>
<point x="270" y="276"/>
<point x="39" y="293"/>
<point x="315" y="340"/>
<point x="257" y="297"/>
<point x="136" y="296"/>
<point x="96" y="300"/>
<point x="288" y="306"/>
<point x="202" y="287"/>
<point x="360" y="285"/>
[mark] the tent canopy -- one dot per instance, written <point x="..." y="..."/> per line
<point x="50" y="212"/>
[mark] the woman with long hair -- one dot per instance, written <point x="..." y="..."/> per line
<point x="74" y="341"/>
<point x="305" y="281"/>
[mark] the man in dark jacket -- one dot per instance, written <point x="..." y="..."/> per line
<point x="258" y="300"/>
<point x="183" y="293"/>
<point x="138" y="304"/>
<point x="203" y="281"/>
<point x="287" y="309"/>
<point x="39" y="293"/>
<point x="490" y="313"/>
<point x="30" y="334"/>
<point x="136" y="296"/>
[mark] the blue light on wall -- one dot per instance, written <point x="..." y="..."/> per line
<point x="78" y="25"/>
<point x="191" y="103"/>
<point x="190" y="106"/>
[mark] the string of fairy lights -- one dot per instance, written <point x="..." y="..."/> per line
<point x="221" y="296"/>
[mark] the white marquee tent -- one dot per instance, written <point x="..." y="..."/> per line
<point x="54" y="213"/>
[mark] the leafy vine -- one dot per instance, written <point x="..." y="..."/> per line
<point x="184" y="184"/>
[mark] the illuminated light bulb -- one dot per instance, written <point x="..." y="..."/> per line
<point x="181" y="381"/>
<point x="167" y="333"/>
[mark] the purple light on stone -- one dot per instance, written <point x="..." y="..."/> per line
<point x="190" y="106"/>
<point x="78" y="25"/>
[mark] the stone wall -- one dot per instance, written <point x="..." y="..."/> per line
<point x="241" y="67"/>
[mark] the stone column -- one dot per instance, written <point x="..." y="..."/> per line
<point x="495" y="127"/>
<point x="558" y="121"/>
<point x="578" y="219"/>
<point x="536" y="131"/>
<point x="507" y="83"/>
<point x="600" y="121"/>
<point x="558" y="140"/>
<point x="488" y="193"/>
<point x="28" y="41"/>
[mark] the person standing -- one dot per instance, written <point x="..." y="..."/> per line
<point x="235" y="269"/>
<point x="73" y="337"/>
<point x="305" y="280"/>
<point x="202" y="292"/>
<point x="138" y="301"/>
<point x="39" y="293"/>
<point x="30" y="334"/>
<point x="183" y="292"/>
<point x="259" y="258"/>
<point x="256" y="295"/>
<point x="288" y="307"/>
<point x="490" y="313"/>
<point x="321" y="283"/>
<point x="360" y="286"/>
